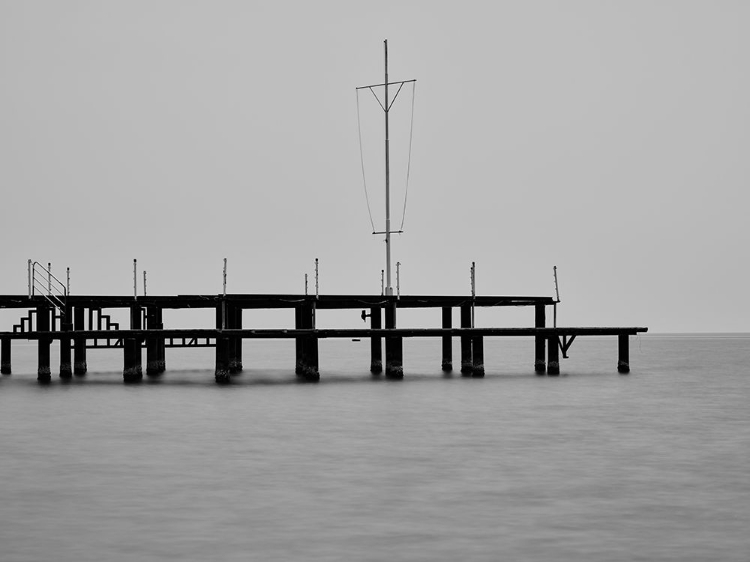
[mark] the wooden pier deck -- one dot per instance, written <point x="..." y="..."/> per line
<point x="80" y="323"/>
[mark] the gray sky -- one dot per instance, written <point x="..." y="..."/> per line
<point x="608" y="138"/>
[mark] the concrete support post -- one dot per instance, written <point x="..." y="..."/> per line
<point x="234" y="321"/>
<point x="539" y="322"/>
<point x="43" y="314"/>
<point x="66" y="363"/>
<point x="307" y="346"/>
<point x="623" y="349"/>
<point x="132" y="357"/>
<point x="79" y="344"/>
<point x="477" y="349"/>
<point x="394" y="359"/>
<point x="553" y="355"/>
<point x="154" y="344"/>
<point x="221" y="373"/>
<point x="376" y="342"/>
<point x="447" y="363"/>
<point x="467" y="364"/>
<point x="5" y="362"/>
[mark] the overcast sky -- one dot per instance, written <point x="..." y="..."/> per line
<point x="611" y="139"/>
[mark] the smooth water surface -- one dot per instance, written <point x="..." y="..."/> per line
<point x="588" y="466"/>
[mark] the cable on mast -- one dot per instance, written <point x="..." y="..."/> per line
<point x="362" y="161"/>
<point x="408" y="164"/>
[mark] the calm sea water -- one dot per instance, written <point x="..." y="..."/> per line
<point x="588" y="466"/>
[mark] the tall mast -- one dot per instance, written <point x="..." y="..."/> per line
<point x="389" y="287"/>
<point x="386" y="108"/>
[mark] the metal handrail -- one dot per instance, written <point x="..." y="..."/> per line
<point x="56" y="298"/>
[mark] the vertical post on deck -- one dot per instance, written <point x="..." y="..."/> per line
<point x="307" y="346"/>
<point x="467" y="364"/>
<point x="79" y="343"/>
<point x="66" y="325"/>
<point x="394" y="368"/>
<point x="539" y="322"/>
<point x="376" y="342"/>
<point x="553" y="357"/>
<point x="447" y="340"/>
<point x="221" y="374"/>
<point x="43" y="325"/>
<point x="132" y="361"/>
<point x="623" y="352"/>
<point x="154" y="344"/>
<point x="5" y="359"/>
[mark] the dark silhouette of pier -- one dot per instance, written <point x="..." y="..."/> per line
<point x="80" y="323"/>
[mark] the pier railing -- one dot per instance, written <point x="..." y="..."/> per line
<point x="42" y="281"/>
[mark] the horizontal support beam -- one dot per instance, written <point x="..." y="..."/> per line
<point x="330" y="333"/>
<point x="277" y="301"/>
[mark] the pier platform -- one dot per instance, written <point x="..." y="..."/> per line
<point x="81" y="323"/>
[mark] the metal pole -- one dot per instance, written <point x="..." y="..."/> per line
<point x="389" y="289"/>
<point x="49" y="278"/>
<point x="305" y="284"/>
<point x="398" y="279"/>
<point x="144" y="282"/>
<point x="473" y="290"/>
<point x="316" y="278"/>
<point x="135" y="279"/>
<point x="557" y="298"/>
<point x="67" y="283"/>
<point x="225" y="277"/>
<point x="31" y="285"/>
<point x="382" y="282"/>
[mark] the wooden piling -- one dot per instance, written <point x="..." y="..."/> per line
<point x="5" y="357"/>
<point x="376" y="342"/>
<point x="307" y="346"/>
<point x="539" y="322"/>
<point x="43" y="314"/>
<point x="553" y="359"/>
<point x="66" y="364"/>
<point x="447" y="363"/>
<point x="394" y="359"/>
<point x="623" y="348"/>
<point x="467" y="364"/>
<point x="132" y="358"/>
<point x="221" y="374"/>
<point x="477" y="349"/>
<point x="79" y="343"/>
<point x="155" y="364"/>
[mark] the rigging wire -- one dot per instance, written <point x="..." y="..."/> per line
<point x="362" y="161"/>
<point x="408" y="165"/>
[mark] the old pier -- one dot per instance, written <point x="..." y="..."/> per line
<point x="81" y="323"/>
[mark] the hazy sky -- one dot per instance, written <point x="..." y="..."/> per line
<point x="611" y="139"/>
